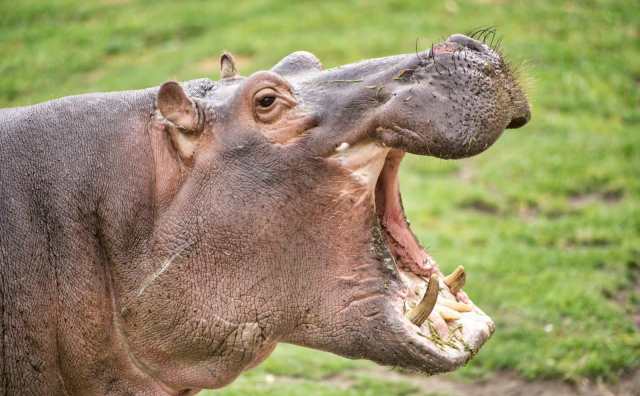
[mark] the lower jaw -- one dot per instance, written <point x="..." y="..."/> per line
<point x="454" y="324"/>
<point x="454" y="329"/>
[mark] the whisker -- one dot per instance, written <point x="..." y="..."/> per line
<point x="420" y="59"/>
<point x="486" y="33"/>
<point x="475" y="34"/>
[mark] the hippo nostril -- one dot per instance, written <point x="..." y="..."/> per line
<point x="468" y="42"/>
<point x="519" y="121"/>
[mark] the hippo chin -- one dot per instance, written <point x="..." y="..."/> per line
<point x="162" y="241"/>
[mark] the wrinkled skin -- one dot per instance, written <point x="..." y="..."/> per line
<point x="162" y="241"/>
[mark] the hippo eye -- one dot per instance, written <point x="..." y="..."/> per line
<point x="266" y="101"/>
<point x="265" y="98"/>
<point x="270" y="103"/>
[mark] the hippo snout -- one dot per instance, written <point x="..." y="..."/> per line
<point x="522" y="113"/>
<point x="452" y="101"/>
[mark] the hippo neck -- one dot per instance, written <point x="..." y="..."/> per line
<point x="77" y="194"/>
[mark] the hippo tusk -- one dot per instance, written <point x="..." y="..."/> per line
<point x="421" y="312"/>
<point x="456" y="280"/>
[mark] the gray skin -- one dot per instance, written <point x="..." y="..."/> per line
<point x="162" y="241"/>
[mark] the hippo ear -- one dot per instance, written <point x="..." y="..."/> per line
<point x="177" y="107"/>
<point x="174" y="105"/>
<point x="227" y="66"/>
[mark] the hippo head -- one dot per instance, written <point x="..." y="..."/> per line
<point x="280" y="217"/>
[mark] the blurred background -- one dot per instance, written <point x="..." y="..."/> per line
<point x="547" y="221"/>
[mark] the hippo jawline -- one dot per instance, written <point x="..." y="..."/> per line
<point x="443" y="328"/>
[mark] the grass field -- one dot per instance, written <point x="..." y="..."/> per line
<point x="547" y="222"/>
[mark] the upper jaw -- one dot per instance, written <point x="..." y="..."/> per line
<point x="452" y="100"/>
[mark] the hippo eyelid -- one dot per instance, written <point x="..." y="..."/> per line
<point x="266" y="92"/>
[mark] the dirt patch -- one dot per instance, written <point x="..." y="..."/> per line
<point x="509" y="384"/>
<point x="608" y="197"/>
<point x="480" y="205"/>
<point x="586" y="241"/>
<point x="500" y="384"/>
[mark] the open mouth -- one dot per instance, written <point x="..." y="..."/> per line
<point x="437" y="316"/>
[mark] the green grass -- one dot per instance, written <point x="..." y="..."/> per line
<point x="547" y="222"/>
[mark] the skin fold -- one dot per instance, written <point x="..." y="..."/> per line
<point x="161" y="241"/>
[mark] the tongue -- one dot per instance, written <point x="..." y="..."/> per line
<point x="410" y="255"/>
<point x="404" y="246"/>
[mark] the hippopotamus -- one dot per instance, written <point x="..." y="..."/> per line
<point x="162" y="241"/>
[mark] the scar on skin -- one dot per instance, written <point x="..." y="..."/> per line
<point x="147" y="282"/>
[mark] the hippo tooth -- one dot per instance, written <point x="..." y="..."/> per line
<point x="343" y="146"/>
<point x="448" y="314"/>
<point x="455" y="305"/>
<point x="420" y="313"/>
<point x="456" y="279"/>
<point x="439" y="325"/>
